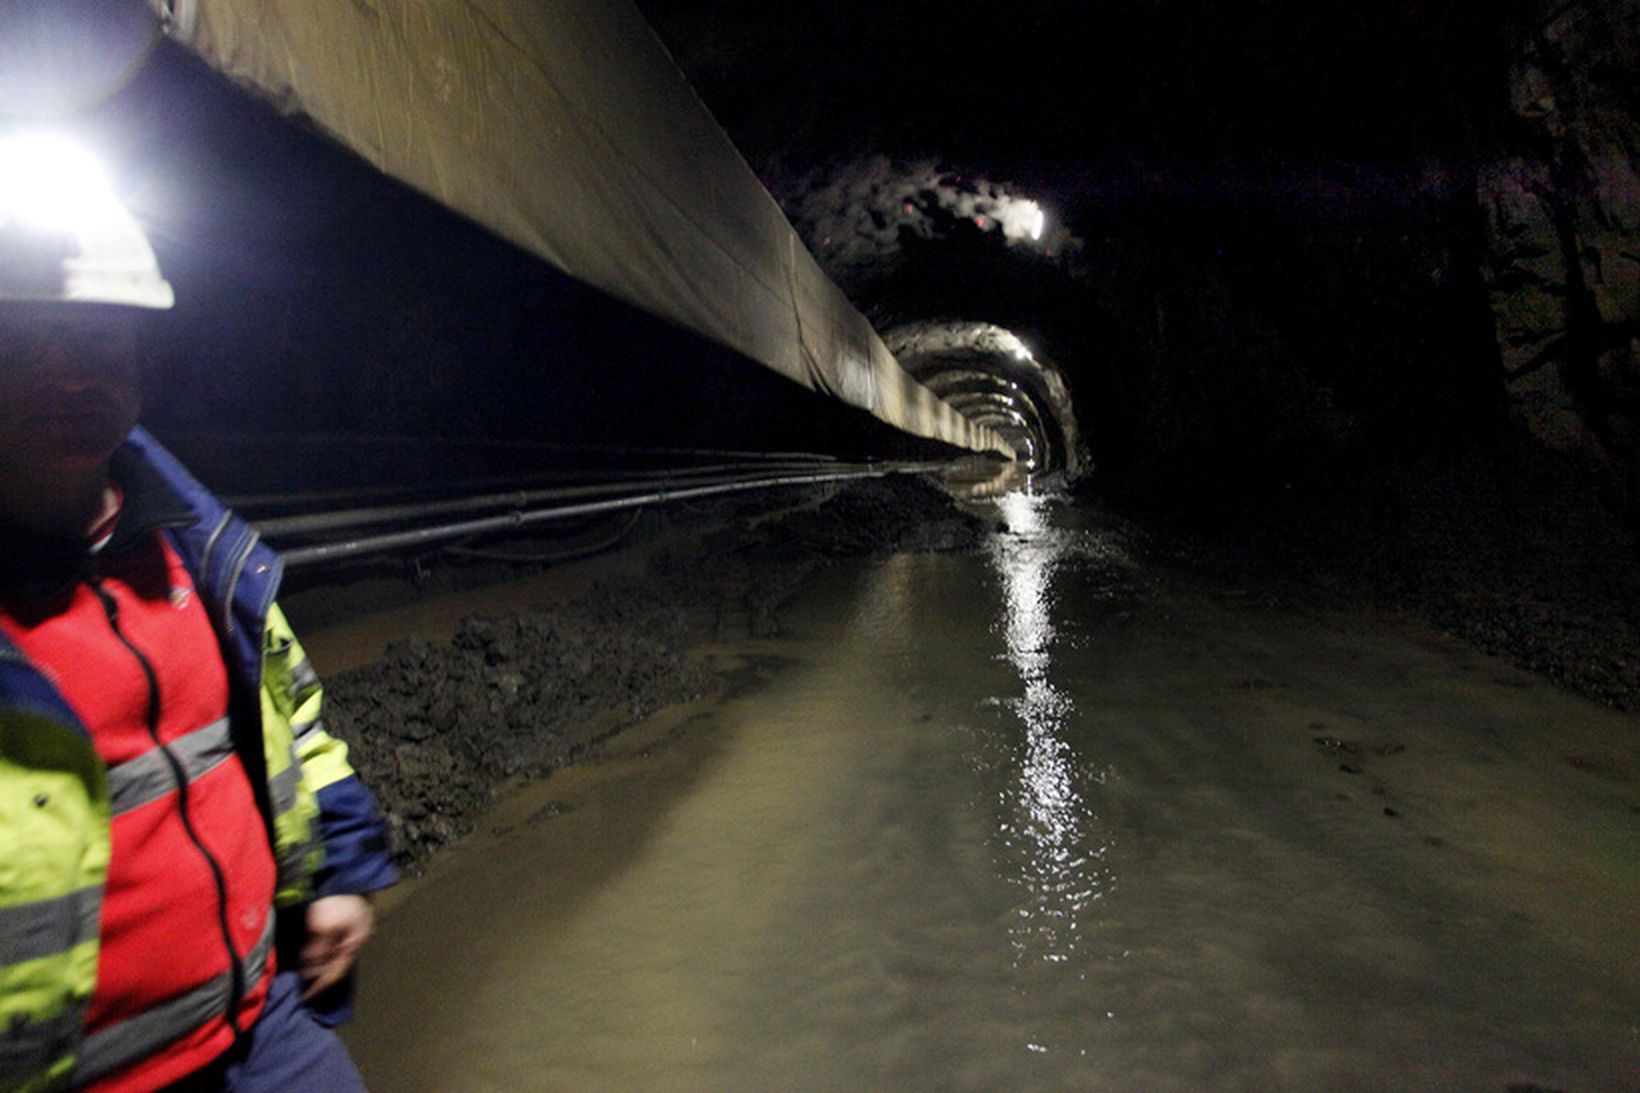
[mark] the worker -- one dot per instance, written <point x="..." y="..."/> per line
<point x="186" y="857"/>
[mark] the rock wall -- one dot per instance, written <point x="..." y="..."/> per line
<point x="1563" y="233"/>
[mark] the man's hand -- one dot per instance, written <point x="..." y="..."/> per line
<point x="337" y="926"/>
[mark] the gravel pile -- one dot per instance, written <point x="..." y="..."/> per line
<point x="508" y="696"/>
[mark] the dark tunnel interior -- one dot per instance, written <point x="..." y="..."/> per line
<point x="1290" y="271"/>
<point x="1328" y="273"/>
<point x="1267" y="722"/>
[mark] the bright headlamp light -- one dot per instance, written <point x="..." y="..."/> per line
<point x="65" y="235"/>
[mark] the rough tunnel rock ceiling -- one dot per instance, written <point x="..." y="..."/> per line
<point x="994" y="378"/>
<point x="856" y="214"/>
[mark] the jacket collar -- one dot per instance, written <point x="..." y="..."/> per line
<point x="150" y="502"/>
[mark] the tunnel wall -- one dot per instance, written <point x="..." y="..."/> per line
<point x="1562" y="210"/>
<point x="566" y="128"/>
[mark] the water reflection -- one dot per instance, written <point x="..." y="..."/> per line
<point x="1048" y="823"/>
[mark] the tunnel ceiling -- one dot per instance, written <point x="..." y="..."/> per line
<point x="1028" y="87"/>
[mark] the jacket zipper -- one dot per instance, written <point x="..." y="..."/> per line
<point x="236" y="972"/>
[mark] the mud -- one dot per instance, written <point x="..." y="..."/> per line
<point x="442" y="728"/>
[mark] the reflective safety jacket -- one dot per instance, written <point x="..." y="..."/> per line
<point x="57" y="796"/>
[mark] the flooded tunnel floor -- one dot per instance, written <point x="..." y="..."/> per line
<point x="1039" y="819"/>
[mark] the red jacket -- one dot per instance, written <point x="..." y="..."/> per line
<point x="190" y="885"/>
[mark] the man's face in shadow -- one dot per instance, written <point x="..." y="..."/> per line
<point x="68" y="387"/>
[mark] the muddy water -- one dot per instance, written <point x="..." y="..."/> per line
<point x="1039" y="820"/>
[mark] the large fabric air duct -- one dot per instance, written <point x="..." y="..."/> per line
<point x="565" y="127"/>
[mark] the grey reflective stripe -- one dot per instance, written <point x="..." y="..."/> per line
<point x="282" y="787"/>
<point x="236" y="568"/>
<point x="210" y="545"/>
<point x="302" y="676"/>
<point x="111" y="1048"/>
<point x="27" y="1049"/>
<point x="301" y="730"/>
<point x="29" y="931"/>
<point x="148" y="777"/>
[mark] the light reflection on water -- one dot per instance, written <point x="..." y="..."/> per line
<point x="1057" y="862"/>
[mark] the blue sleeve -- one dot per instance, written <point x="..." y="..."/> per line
<point x="355" y="842"/>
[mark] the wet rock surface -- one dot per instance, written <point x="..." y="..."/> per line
<point x="442" y="727"/>
<point x="1562" y="209"/>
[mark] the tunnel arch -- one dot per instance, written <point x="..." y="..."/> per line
<point x="999" y="403"/>
<point x="987" y="373"/>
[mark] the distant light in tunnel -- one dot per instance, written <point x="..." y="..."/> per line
<point x="858" y="215"/>
<point x="1021" y="218"/>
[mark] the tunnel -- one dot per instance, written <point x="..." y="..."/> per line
<point x="878" y="546"/>
<point x="990" y="374"/>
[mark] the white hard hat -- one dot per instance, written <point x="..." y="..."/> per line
<point x="65" y="236"/>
